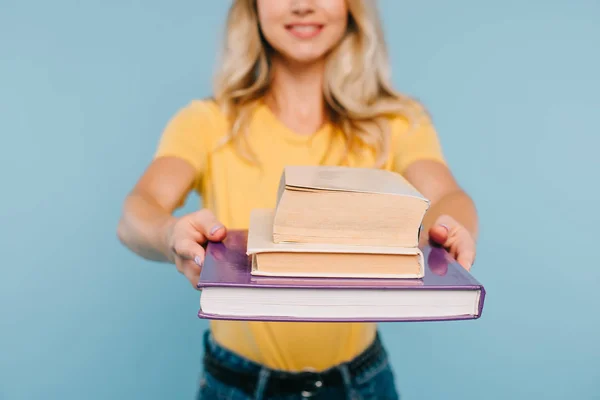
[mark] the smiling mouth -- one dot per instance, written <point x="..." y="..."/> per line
<point x="304" y="31"/>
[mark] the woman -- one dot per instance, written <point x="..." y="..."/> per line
<point x="301" y="82"/>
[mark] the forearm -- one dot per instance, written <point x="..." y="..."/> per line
<point x="457" y="205"/>
<point x="143" y="227"/>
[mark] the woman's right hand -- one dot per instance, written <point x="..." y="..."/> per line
<point x="186" y="236"/>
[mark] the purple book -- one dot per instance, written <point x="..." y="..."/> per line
<point x="230" y="292"/>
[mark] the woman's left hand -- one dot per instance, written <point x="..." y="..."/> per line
<point x="455" y="238"/>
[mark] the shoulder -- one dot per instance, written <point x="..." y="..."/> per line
<point x="412" y="118"/>
<point x="205" y="110"/>
<point x="414" y="137"/>
<point x="201" y="118"/>
<point x="193" y="132"/>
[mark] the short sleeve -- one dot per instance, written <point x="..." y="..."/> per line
<point x="185" y="136"/>
<point x="414" y="142"/>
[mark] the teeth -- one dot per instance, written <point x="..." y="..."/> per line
<point x="305" y="28"/>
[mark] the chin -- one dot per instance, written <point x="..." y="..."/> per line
<point x="304" y="53"/>
<point x="303" y="58"/>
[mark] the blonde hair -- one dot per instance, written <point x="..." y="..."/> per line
<point x="357" y="88"/>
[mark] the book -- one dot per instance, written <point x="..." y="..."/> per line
<point x="324" y="259"/>
<point x="347" y="205"/>
<point x="230" y="292"/>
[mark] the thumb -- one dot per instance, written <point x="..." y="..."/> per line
<point x="439" y="233"/>
<point x="207" y="224"/>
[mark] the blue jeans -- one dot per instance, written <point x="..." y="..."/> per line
<point x="228" y="376"/>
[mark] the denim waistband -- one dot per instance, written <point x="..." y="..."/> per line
<point x="361" y="368"/>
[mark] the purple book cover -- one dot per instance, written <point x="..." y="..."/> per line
<point x="227" y="265"/>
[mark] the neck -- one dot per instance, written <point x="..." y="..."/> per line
<point x="296" y="95"/>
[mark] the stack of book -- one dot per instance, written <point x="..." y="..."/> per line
<point x="342" y="244"/>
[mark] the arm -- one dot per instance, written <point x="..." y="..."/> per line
<point x="147" y="210"/>
<point x="451" y="221"/>
<point x="452" y="218"/>
<point x="435" y="181"/>
<point x="148" y="228"/>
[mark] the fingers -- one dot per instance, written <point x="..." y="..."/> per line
<point x="191" y="271"/>
<point x="447" y="232"/>
<point x="466" y="259"/>
<point x="190" y="250"/>
<point x="207" y="224"/>
<point x="464" y="249"/>
<point x="190" y="258"/>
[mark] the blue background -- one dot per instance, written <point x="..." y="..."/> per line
<point x="85" y="90"/>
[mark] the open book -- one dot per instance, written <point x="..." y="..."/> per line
<point x="345" y="205"/>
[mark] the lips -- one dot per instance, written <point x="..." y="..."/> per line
<point x="304" y="31"/>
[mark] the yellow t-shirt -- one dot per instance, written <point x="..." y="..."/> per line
<point x="231" y="188"/>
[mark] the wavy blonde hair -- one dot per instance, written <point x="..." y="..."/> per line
<point x="357" y="89"/>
